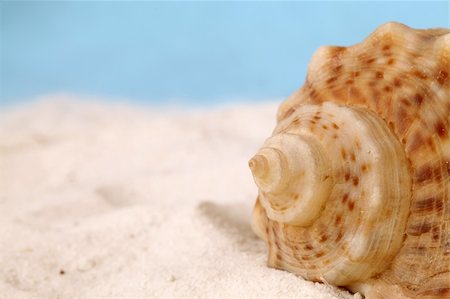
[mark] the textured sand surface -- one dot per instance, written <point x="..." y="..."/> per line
<point x="118" y="201"/>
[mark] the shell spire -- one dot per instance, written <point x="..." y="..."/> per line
<point x="354" y="183"/>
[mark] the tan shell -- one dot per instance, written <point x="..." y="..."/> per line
<point x="354" y="184"/>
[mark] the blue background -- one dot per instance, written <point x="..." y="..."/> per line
<point x="193" y="52"/>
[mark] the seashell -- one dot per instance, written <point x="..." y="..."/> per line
<point x="354" y="183"/>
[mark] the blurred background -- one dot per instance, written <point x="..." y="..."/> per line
<point x="186" y="52"/>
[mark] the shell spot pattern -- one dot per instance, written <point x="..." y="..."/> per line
<point x="354" y="182"/>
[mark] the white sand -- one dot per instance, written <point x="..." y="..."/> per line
<point x="116" y="201"/>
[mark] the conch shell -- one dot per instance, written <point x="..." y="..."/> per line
<point x="354" y="183"/>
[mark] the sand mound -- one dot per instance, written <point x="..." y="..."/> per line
<point x="119" y="201"/>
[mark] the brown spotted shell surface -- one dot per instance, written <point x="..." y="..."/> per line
<point x="354" y="183"/>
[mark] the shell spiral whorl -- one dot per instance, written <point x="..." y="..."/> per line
<point x="285" y="177"/>
<point x="347" y="167"/>
<point x="354" y="182"/>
